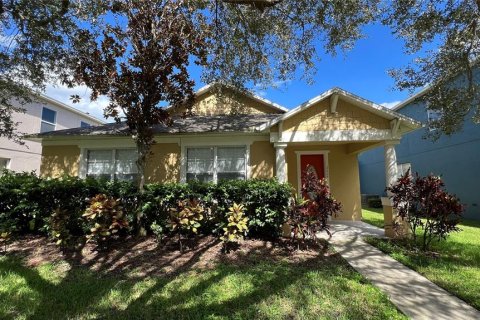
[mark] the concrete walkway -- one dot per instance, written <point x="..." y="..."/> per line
<point x="412" y="293"/>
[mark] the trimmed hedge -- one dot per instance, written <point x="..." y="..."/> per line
<point x="27" y="202"/>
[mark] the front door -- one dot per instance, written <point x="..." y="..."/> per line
<point x="317" y="163"/>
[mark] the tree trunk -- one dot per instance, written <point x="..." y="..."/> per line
<point x="143" y="151"/>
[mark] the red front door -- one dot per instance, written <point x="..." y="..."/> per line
<point x="317" y="163"/>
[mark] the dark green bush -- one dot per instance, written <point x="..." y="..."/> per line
<point x="374" y="203"/>
<point x="28" y="202"/>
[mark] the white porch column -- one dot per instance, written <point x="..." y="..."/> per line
<point x="389" y="214"/>
<point x="280" y="161"/>
<point x="390" y="163"/>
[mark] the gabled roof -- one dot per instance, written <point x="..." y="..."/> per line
<point x="353" y="99"/>
<point x="257" y="98"/>
<point x="59" y="104"/>
<point x="412" y="98"/>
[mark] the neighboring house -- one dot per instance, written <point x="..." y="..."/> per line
<point x="44" y="114"/>
<point x="455" y="158"/>
<point x="240" y="136"/>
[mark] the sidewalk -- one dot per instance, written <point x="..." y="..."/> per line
<point x="413" y="294"/>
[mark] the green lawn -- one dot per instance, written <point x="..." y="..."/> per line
<point x="261" y="290"/>
<point x="453" y="264"/>
<point x="373" y="216"/>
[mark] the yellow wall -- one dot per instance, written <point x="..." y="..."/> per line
<point x="262" y="160"/>
<point x="348" y="117"/>
<point x="228" y="103"/>
<point x="343" y="176"/>
<point x="164" y="163"/>
<point x="59" y="160"/>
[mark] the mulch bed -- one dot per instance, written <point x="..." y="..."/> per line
<point x="140" y="257"/>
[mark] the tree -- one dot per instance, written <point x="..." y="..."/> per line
<point x="32" y="44"/>
<point x="448" y="69"/>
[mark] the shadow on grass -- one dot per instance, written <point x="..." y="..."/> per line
<point x="250" y="287"/>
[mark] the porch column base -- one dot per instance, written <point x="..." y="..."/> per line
<point x="394" y="227"/>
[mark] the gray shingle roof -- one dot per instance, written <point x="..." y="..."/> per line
<point x="191" y="124"/>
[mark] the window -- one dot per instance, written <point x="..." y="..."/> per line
<point x="211" y="164"/>
<point x="116" y="164"/>
<point x="49" y="118"/>
<point x="84" y="125"/>
<point x="4" y="163"/>
<point x="433" y="115"/>
<point x="402" y="168"/>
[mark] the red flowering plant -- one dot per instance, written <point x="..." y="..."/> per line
<point x="309" y="214"/>
<point x="430" y="211"/>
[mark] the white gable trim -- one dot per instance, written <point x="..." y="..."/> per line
<point x="349" y="97"/>
<point x="333" y="136"/>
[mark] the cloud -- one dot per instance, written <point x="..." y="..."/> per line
<point x="390" y="105"/>
<point x="63" y="93"/>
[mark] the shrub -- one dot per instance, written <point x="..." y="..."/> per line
<point x="309" y="215"/>
<point x="7" y="233"/>
<point x="236" y="226"/>
<point x="375" y="203"/>
<point x="58" y="227"/>
<point x="427" y="208"/>
<point x="105" y="216"/>
<point x="184" y="219"/>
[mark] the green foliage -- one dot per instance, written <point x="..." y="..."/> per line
<point x="185" y="219"/>
<point x="28" y="201"/>
<point x="105" y="216"/>
<point x="58" y="227"/>
<point x="157" y="231"/>
<point x="374" y="202"/>
<point x="236" y="227"/>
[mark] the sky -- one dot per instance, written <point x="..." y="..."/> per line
<point x="362" y="71"/>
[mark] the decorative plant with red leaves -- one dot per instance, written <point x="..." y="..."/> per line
<point x="430" y="211"/>
<point x="309" y="215"/>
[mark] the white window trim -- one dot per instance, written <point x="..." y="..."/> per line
<point x="429" y="112"/>
<point x="299" y="170"/>
<point x="82" y="170"/>
<point x="54" y="124"/>
<point x="183" y="157"/>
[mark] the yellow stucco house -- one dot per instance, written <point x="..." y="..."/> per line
<point x="242" y="136"/>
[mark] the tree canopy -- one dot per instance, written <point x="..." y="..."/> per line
<point x="242" y="42"/>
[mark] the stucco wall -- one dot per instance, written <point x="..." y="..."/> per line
<point x="59" y="160"/>
<point x="343" y="176"/>
<point x="348" y="117"/>
<point x="164" y="164"/>
<point x="228" y="103"/>
<point x="262" y="160"/>
<point x="27" y="157"/>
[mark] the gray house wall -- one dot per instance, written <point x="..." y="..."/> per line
<point x="455" y="158"/>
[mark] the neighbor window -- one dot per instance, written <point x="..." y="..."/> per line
<point x="116" y="164"/>
<point x="433" y="115"/>
<point x="3" y="165"/>
<point x="49" y="118"/>
<point x="84" y="124"/>
<point x="211" y="164"/>
<point x="402" y="168"/>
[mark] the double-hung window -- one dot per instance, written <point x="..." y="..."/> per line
<point x="212" y="164"/>
<point x="49" y="119"/>
<point x="112" y="164"/>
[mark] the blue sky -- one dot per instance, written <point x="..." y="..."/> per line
<point x="362" y="71"/>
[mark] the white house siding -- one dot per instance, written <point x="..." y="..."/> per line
<point x="27" y="157"/>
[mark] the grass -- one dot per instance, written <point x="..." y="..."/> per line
<point x="373" y="216"/>
<point x="263" y="290"/>
<point x="453" y="264"/>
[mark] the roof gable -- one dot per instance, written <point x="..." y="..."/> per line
<point x="229" y="101"/>
<point x="333" y="98"/>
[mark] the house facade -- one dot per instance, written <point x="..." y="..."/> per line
<point x="238" y="135"/>
<point x="455" y="158"/>
<point x="44" y="114"/>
